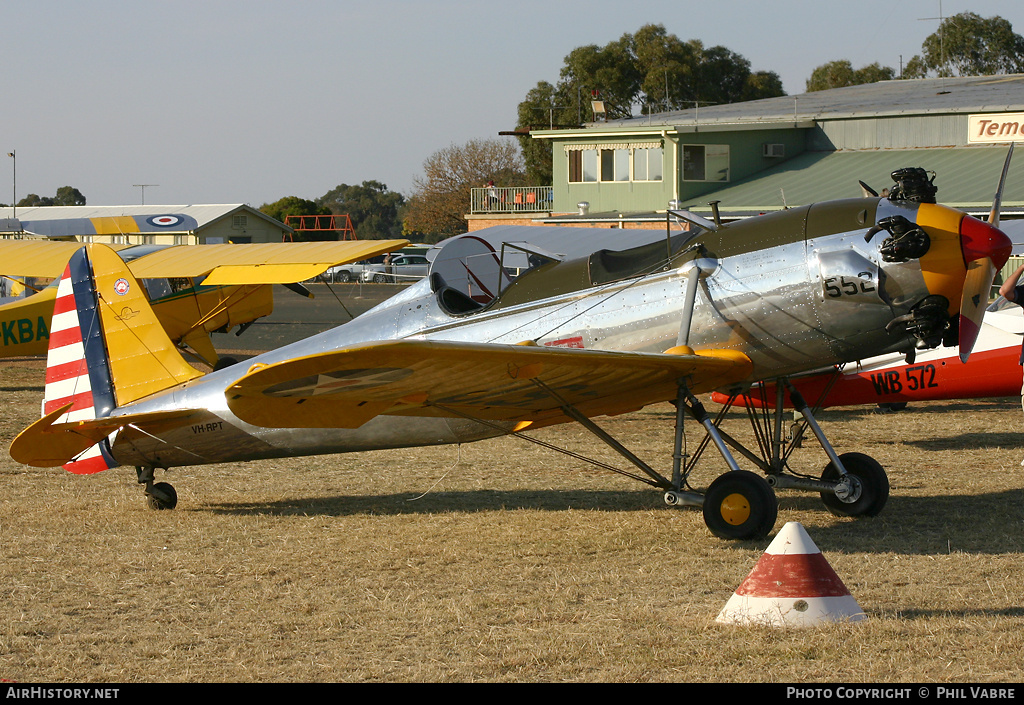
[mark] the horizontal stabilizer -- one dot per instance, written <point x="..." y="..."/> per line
<point x="47" y="444"/>
<point x="347" y="388"/>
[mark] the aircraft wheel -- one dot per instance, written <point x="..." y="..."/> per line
<point x="740" y="505"/>
<point x="161" y="496"/>
<point x="225" y="361"/>
<point x="868" y="489"/>
<point x="892" y="406"/>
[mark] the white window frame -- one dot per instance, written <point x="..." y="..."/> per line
<point x="617" y="160"/>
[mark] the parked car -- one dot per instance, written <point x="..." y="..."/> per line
<point x="344" y="273"/>
<point x="402" y="268"/>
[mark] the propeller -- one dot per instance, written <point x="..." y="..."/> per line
<point x="983" y="245"/>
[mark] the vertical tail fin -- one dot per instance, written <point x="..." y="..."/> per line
<point x="107" y="348"/>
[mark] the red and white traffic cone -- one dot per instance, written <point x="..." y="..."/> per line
<point x="792" y="585"/>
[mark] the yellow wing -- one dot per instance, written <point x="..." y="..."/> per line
<point x="262" y="263"/>
<point x="45" y="259"/>
<point x="347" y="388"/>
<point x="257" y="263"/>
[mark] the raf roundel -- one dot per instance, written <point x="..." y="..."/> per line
<point x="164" y="221"/>
<point x="121" y="287"/>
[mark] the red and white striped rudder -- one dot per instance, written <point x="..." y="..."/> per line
<point x="76" y="363"/>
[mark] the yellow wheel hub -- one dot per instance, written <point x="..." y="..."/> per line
<point x="735" y="509"/>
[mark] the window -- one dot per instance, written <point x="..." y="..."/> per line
<point x="618" y="163"/>
<point x="706" y="162"/>
<point x="614" y="165"/>
<point x="647" y="164"/>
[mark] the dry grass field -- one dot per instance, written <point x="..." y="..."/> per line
<point x="502" y="561"/>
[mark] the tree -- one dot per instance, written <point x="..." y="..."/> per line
<point x="838" y="74"/>
<point x="293" y="205"/>
<point x="66" y="196"/>
<point x="440" y="198"/>
<point x="69" y="196"/>
<point x="650" y="69"/>
<point x="968" y="45"/>
<point x="375" y="211"/>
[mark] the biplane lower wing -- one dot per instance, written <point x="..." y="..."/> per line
<point x="524" y="383"/>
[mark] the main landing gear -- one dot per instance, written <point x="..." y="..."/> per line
<point x="159" y="495"/>
<point x="736" y="506"/>
<point x="740" y="504"/>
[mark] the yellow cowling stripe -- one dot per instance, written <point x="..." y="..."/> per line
<point x="943" y="265"/>
<point x="142" y="359"/>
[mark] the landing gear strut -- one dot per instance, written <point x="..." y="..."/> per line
<point x="852" y="484"/>
<point x="159" y="495"/>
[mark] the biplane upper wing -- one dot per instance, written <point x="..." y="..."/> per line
<point x="257" y="263"/>
<point x="38" y="258"/>
<point x="226" y="265"/>
<point x="347" y="388"/>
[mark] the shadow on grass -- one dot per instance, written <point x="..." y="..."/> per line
<point x="450" y="502"/>
<point x="989" y="523"/>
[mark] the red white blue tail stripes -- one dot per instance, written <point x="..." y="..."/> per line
<point x="77" y="372"/>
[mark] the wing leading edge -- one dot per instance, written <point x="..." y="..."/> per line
<point x="347" y="388"/>
<point x="225" y="265"/>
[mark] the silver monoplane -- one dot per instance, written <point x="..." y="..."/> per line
<point x="530" y="330"/>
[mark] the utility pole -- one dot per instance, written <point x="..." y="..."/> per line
<point x="14" y="188"/>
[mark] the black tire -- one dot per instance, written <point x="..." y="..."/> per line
<point x="380" y="278"/>
<point x="740" y="505"/>
<point x="343" y="277"/>
<point x="162" y="496"/>
<point x="225" y="361"/>
<point x="893" y="406"/>
<point x="870" y="484"/>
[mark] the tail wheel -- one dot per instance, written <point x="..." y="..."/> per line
<point x="740" y="505"/>
<point x="161" y="496"/>
<point x="865" y="491"/>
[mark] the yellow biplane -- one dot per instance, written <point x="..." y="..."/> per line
<point x="194" y="290"/>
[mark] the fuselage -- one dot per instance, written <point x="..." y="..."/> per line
<point x="794" y="291"/>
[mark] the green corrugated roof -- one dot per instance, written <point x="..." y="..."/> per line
<point x="966" y="178"/>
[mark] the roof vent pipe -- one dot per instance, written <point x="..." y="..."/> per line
<point x="584" y="207"/>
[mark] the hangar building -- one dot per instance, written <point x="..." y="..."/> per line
<point x="151" y="225"/>
<point x="765" y="155"/>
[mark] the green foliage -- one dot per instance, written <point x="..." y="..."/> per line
<point x="650" y="69"/>
<point x="293" y="205"/>
<point x="69" y="196"/>
<point x="964" y="45"/>
<point x="838" y="74"/>
<point x="375" y="211"/>
<point x="66" y="196"/>
<point x="968" y="45"/>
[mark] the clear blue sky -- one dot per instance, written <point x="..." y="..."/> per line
<point x="248" y="101"/>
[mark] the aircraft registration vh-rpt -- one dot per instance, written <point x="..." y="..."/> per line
<point x="504" y="337"/>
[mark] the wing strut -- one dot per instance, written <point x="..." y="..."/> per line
<point x="543" y="444"/>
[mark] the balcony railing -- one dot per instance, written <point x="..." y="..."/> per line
<point x="510" y="199"/>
